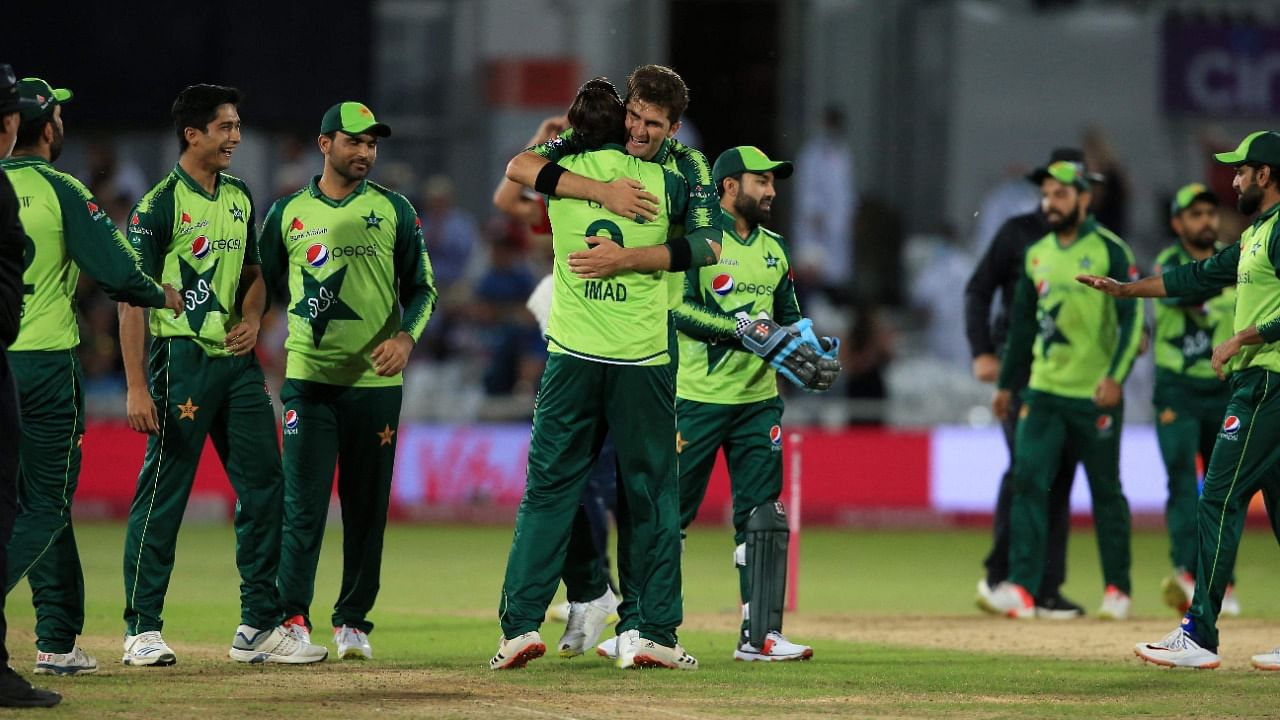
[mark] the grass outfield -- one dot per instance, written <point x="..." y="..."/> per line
<point x="889" y="614"/>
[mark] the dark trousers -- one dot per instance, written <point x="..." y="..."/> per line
<point x="1055" y="566"/>
<point x="9" y="440"/>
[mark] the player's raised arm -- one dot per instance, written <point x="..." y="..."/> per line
<point x="537" y="168"/>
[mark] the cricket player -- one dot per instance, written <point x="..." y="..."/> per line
<point x="1080" y="348"/>
<point x="1247" y="450"/>
<point x="608" y="370"/>
<point x="1189" y="398"/>
<point x="67" y="231"/>
<point x="727" y="395"/>
<point x="195" y="230"/>
<point x="656" y="99"/>
<point x="360" y="293"/>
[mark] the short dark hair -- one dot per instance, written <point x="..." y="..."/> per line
<point x="1275" y="170"/>
<point x="198" y="105"/>
<point x="659" y="85"/>
<point x="597" y="114"/>
<point x="720" y="185"/>
<point x="30" y="131"/>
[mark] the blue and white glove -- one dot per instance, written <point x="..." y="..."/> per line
<point x="828" y="349"/>
<point x="782" y="348"/>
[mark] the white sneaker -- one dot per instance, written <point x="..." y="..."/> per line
<point x="1268" y="661"/>
<point x="298" y="626"/>
<point x="1115" y="605"/>
<point x="637" y="652"/>
<point x="1230" y="603"/>
<point x="147" y="648"/>
<point x="518" y="651"/>
<point x="277" y="645"/>
<point x="1178" y="589"/>
<point x="984" y="597"/>
<point x="1178" y="649"/>
<point x="586" y="622"/>
<point x="353" y="644"/>
<point x="776" y="648"/>
<point x="558" y="612"/>
<point x="1010" y="600"/>
<point x="76" y="662"/>
<point x="608" y="648"/>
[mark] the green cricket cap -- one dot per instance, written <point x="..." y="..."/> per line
<point x="1260" y="147"/>
<point x="44" y="95"/>
<point x="1065" y="172"/>
<point x="748" y="158"/>
<point x="352" y="118"/>
<point x="1189" y="194"/>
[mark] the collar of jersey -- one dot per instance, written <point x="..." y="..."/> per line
<point x="21" y="161"/>
<point x="728" y="224"/>
<point x="1266" y="215"/>
<point x="191" y="183"/>
<point x="314" y="189"/>
<point x="1087" y="228"/>
<point x="663" y="152"/>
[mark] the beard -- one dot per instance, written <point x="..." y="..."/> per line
<point x="350" y="172"/>
<point x="55" y="148"/>
<point x="749" y="209"/>
<point x="1204" y="240"/>
<point x="1067" y="222"/>
<point x="1250" y="200"/>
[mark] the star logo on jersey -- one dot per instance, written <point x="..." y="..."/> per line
<point x="1194" y="344"/>
<point x="770" y="261"/>
<point x="1049" y="333"/>
<point x="188" y="410"/>
<point x="1257" y="245"/>
<point x="384" y="437"/>
<point x="1086" y="263"/>
<point x="198" y="295"/>
<point x="371" y="220"/>
<point x="1167" y="416"/>
<point x="237" y="215"/>
<point x="717" y="351"/>
<point x="321" y="304"/>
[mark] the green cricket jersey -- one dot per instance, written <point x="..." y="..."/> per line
<point x="702" y="209"/>
<point x="1188" y="328"/>
<point x="357" y="272"/>
<point x="1072" y="335"/>
<point x="1253" y="264"/>
<point x="198" y="243"/>
<point x="66" y="231"/>
<point x="622" y="319"/>
<point x="754" y="274"/>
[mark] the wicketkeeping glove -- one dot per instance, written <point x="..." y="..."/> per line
<point x="783" y="349"/>
<point x="828" y="349"/>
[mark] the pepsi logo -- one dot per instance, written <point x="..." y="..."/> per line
<point x="1104" y="422"/>
<point x="722" y="284"/>
<point x="1231" y="425"/>
<point x="1042" y="287"/>
<point x="200" y="247"/>
<point x="291" y="419"/>
<point x="775" y="435"/>
<point x="317" y="255"/>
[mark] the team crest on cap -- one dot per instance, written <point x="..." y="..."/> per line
<point x="1231" y="425"/>
<point x="200" y="247"/>
<point x="317" y="255"/>
<point x="775" y="436"/>
<point x="722" y="284"/>
<point x="291" y="419"/>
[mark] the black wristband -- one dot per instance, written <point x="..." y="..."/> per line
<point x="681" y="255"/>
<point x="548" y="178"/>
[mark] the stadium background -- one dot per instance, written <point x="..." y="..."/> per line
<point x="944" y="104"/>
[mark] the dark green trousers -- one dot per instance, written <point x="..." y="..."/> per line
<point x="1188" y="418"/>
<point x="579" y="401"/>
<point x="43" y="546"/>
<point x="224" y="399"/>
<point x="352" y="430"/>
<point x="1050" y="423"/>
<point x="1246" y="459"/>
<point x="746" y="433"/>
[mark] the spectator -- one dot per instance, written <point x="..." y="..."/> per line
<point x="827" y="202"/>
<point x="865" y="358"/>
<point x="512" y="343"/>
<point x="450" y="233"/>
<point x="1111" y="197"/>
